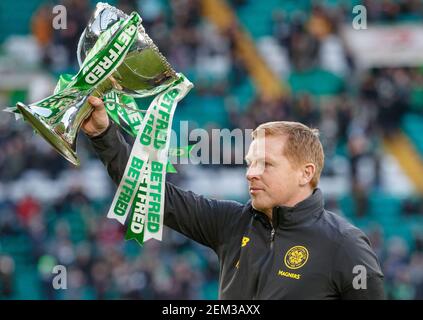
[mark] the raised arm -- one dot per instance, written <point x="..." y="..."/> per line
<point x="204" y="220"/>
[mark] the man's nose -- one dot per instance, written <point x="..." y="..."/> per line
<point x="254" y="171"/>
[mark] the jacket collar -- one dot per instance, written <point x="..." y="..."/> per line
<point x="289" y="216"/>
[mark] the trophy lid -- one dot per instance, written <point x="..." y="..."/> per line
<point x="145" y="71"/>
<point x="103" y="18"/>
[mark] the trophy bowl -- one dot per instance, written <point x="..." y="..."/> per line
<point x="144" y="71"/>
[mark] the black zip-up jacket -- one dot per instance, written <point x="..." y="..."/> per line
<point x="305" y="252"/>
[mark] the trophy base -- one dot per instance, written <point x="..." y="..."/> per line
<point x="48" y="134"/>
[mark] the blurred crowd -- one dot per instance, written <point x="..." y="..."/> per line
<point x="402" y="266"/>
<point x="363" y="109"/>
<point x="99" y="263"/>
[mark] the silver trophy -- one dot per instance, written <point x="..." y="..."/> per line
<point x="143" y="72"/>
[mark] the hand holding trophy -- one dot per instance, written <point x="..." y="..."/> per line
<point x="98" y="121"/>
<point x="118" y="62"/>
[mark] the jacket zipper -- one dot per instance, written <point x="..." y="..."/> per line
<point x="272" y="238"/>
<point x="272" y="235"/>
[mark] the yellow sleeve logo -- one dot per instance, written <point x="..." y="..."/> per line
<point x="245" y="240"/>
<point x="296" y="257"/>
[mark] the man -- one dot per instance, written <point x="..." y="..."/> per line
<point x="280" y="245"/>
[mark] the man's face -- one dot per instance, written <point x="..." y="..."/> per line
<point x="272" y="180"/>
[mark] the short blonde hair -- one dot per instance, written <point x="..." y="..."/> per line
<point x="302" y="144"/>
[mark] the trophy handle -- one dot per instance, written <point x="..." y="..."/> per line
<point x="59" y="125"/>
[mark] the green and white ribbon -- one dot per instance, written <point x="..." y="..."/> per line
<point x="143" y="183"/>
<point x="106" y="58"/>
<point x="124" y="110"/>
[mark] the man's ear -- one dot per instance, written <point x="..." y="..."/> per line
<point x="307" y="173"/>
